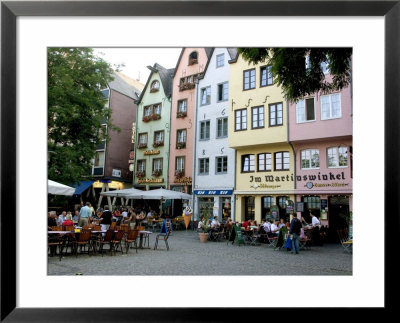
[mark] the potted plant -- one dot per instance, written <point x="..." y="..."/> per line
<point x="155" y="116"/>
<point x="179" y="173"/>
<point x="157" y="172"/>
<point x="146" y="118"/>
<point x="181" y="145"/>
<point x="181" y="114"/>
<point x="204" y="235"/>
<point x="140" y="174"/>
<point x="158" y="144"/>
<point x="142" y="145"/>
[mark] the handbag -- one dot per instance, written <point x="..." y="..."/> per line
<point x="288" y="243"/>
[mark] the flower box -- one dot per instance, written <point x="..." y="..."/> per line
<point x="146" y="118"/>
<point x="181" y="145"/>
<point x="140" y="146"/>
<point x="181" y="114"/>
<point x="158" y="144"/>
<point x="157" y="173"/>
<point x="140" y="174"/>
<point x="179" y="173"/>
<point x="155" y="116"/>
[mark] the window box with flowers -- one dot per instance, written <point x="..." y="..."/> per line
<point x="158" y="144"/>
<point x="140" y="174"/>
<point x="155" y="116"/>
<point x="146" y="118"/>
<point x="181" y="145"/>
<point x="179" y="173"/>
<point x="152" y="90"/>
<point x="181" y="114"/>
<point x="157" y="172"/>
<point x="193" y="61"/>
<point x="186" y="86"/>
<point x="142" y="145"/>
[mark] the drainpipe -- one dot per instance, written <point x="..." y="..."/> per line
<point x="291" y="145"/>
<point x="195" y="151"/>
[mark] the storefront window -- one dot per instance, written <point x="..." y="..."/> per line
<point x="266" y="203"/>
<point x="226" y="207"/>
<point x="249" y="208"/>
<point x="206" y="204"/>
<point x="282" y="207"/>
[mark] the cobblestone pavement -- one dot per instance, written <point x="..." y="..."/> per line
<point x="188" y="256"/>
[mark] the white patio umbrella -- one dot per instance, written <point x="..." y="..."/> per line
<point x="59" y="189"/>
<point x="162" y="194"/>
<point x="123" y="193"/>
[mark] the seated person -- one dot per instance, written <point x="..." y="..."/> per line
<point x="267" y="227"/>
<point x="200" y="225"/>
<point x="51" y="220"/>
<point x="245" y="224"/>
<point x="75" y="218"/>
<point x="215" y="224"/>
<point x="68" y="220"/>
<point x="275" y="228"/>
<point x="281" y="223"/>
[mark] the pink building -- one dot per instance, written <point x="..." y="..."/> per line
<point x="320" y="130"/>
<point x="190" y="66"/>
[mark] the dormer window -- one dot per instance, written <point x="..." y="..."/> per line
<point x="193" y="58"/>
<point x="155" y="86"/>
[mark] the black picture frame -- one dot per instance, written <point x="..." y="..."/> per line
<point x="10" y="10"/>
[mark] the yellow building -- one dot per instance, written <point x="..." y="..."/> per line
<point x="264" y="184"/>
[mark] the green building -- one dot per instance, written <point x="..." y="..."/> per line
<point x="153" y="130"/>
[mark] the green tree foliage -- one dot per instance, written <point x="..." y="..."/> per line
<point x="76" y="111"/>
<point x="288" y="66"/>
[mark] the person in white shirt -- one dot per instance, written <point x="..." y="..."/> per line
<point x="61" y="218"/>
<point x="215" y="223"/>
<point x="281" y="223"/>
<point x="315" y="221"/>
<point x="275" y="228"/>
<point x="267" y="227"/>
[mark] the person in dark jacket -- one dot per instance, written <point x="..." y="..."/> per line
<point x="295" y="227"/>
<point x="106" y="218"/>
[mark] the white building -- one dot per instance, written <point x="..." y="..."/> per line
<point x="214" y="162"/>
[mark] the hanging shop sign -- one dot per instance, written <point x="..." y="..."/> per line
<point x="212" y="192"/>
<point x="152" y="152"/>
<point x="289" y="206"/>
<point x="150" y="180"/>
<point x="183" y="180"/>
<point x="111" y="184"/>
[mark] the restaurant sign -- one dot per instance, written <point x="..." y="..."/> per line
<point x="152" y="152"/>
<point x="183" y="180"/>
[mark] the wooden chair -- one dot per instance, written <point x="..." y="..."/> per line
<point x="131" y="238"/>
<point x="116" y="241"/>
<point x="53" y="242"/>
<point x="57" y="228"/>
<point x="68" y="228"/>
<point x="273" y="240"/>
<point x="83" y="241"/>
<point x="106" y="240"/>
<point x="113" y="225"/>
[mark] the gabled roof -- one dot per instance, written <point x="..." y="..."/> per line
<point x="166" y="76"/>
<point x="208" y="51"/>
<point x="232" y="54"/>
<point x="123" y="84"/>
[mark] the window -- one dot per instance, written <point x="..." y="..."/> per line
<point x="157" y="109"/>
<point x="157" y="166"/>
<point x="249" y="208"/>
<point x="305" y="110"/>
<point x="248" y="163"/>
<point x="155" y="86"/>
<point x="181" y="139"/>
<point x="266" y="76"/>
<point x="222" y="127"/>
<point x="264" y="162"/>
<point x="312" y="202"/>
<point x="266" y="203"/>
<point x="249" y="79"/>
<point x="223" y="92"/>
<point x="282" y="201"/>
<point x="182" y="106"/>
<point x="141" y="165"/>
<point x="220" y="60"/>
<point x="275" y="114"/>
<point x="330" y="107"/>
<point x="158" y="138"/>
<point x="282" y="161"/>
<point x="203" y="166"/>
<point x="221" y="164"/>
<point x="337" y="157"/>
<point x="187" y="82"/>
<point x="257" y="117"/>
<point x="325" y="67"/>
<point x="310" y="159"/>
<point x="204" y="130"/>
<point x="307" y="62"/>
<point x="147" y="111"/>
<point x="99" y="159"/>
<point x="142" y="140"/>
<point x="193" y="58"/>
<point x="205" y="95"/>
<point x="240" y="119"/>
<point x="179" y="166"/>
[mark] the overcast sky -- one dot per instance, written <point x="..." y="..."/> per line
<point x="136" y="60"/>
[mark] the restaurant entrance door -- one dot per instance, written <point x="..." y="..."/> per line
<point x="338" y="215"/>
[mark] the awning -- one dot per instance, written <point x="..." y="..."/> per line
<point x="80" y="188"/>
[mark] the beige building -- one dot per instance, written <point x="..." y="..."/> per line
<point x="264" y="183"/>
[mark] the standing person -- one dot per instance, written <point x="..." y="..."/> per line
<point x="295" y="228"/>
<point x="105" y="218"/>
<point x="92" y="209"/>
<point x="315" y="222"/>
<point x="84" y="215"/>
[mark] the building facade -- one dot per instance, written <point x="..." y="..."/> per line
<point x="321" y="133"/>
<point x="152" y="135"/>
<point x="111" y="166"/>
<point x="214" y="162"/>
<point x="258" y="131"/>
<point x="189" y="68"/>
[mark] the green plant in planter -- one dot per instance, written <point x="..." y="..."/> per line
<point x="205" y="219"/>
